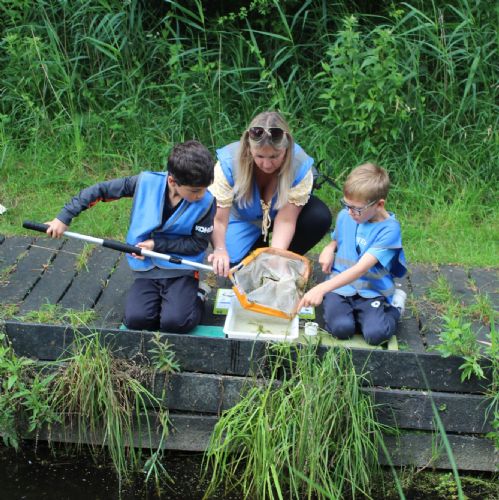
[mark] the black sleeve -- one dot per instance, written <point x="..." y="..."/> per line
<point x="103" y="191"/>
<point x="198" y="240"/>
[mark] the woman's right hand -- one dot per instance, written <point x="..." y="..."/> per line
<point x="221" y="262"/>
<point x="56" y="228"/>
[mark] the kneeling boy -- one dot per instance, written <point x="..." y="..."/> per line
<point x="172" y="213"/>
<point x="364" y="256"/>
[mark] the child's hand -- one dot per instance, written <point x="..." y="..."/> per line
<point x="221" y="262"/>
<point x="146" y="245"/>
<point x="56" y="228"/>
<point x="313" y="297"/>
<point x="326" y="258"/>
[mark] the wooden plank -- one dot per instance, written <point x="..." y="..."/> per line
<point x="464" y="413"/>
<point x="396" y="369"/>
<point x="195" y="354"/>
<point x="87" y="284"/>
<point x="458" y="279"/>
<point x="426" y="371"/>
<point x="418" y="449"/>
<point x="487" y="282"/>
<point x="425" y="449"/>
<point x="110" y="306"/>
<point x="186" y="433"/>
<point x="11" y="249"/>
<point x="421" y="278"/>
<point x="29" y="270"/>
<point x="408" y="334"/>
<point x="56" y="279"/>
<point x="200" y="393"/>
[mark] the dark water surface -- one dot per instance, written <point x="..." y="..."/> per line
<point x="69" y="475"/>
<point x="43" y="475"/>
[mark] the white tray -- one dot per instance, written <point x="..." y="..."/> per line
<point x="243" y="324"/>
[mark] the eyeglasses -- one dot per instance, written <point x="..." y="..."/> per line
<point x="357" y="210"/>
<point x="258" y="133"/>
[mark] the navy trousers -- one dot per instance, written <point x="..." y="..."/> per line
<point x="375" y="318"/>
<point x="166" y="304"/>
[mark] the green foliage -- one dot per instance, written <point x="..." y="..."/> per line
<point x="163" y="358"/>
<point x="363" y="86"/>
<point x="306" y="432"/>
<point x="458" y="339"/>
<point x="101" y="399"/>
<point x="23" y="393"/>
<point x="105" y="402"/>
<point x="94" y="90"/>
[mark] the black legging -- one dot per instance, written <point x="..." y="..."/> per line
<point x="313" y="223"/>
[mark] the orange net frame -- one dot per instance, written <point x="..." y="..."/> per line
<point x="271" y="281"/>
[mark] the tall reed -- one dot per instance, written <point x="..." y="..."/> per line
<point x="105" y="402"/>
<point x="307" y="432"/>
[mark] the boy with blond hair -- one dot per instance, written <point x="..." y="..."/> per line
<point x="364" y="256"/>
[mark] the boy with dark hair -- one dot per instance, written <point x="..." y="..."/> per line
<point x="363" y="257"/>
<point x="172" y="213"/>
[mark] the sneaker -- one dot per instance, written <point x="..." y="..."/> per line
<point x="204" y="291"/>
<point x="398" y="300"/>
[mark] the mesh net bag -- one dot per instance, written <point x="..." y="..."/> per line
<point x="271" y="281"/>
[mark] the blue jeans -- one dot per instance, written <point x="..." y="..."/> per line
<point x="166" y="304"/>
<point x="375" y="318"/>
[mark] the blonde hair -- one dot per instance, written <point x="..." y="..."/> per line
<point x="243" y="186"/>
<point x="367" y="182"/>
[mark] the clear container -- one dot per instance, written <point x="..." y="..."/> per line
<point x="311" y="329"/>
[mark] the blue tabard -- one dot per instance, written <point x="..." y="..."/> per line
<point x="378" y="280"/>
<point x="245" y="221"/>
<point x="147" y="213"/>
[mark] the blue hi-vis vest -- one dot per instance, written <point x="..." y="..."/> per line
<point x="378" y="280"/>
<point x="147" y="213"/>
<point x="245" y="221"/>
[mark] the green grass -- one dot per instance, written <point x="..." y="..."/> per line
<point x="102" y="90"/>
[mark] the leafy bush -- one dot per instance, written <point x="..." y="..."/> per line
<point x="363" y="86"/>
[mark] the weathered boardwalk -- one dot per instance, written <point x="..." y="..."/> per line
<point x="36" y="270"/>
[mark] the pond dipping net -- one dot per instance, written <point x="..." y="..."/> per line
<point x="271" y="281"/>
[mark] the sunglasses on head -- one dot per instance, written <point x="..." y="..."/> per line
<point x="258" y="133"/>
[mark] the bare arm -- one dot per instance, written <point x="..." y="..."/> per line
<point x="315" y="296"/>
<point x="220" y="257"/>
<point x="285" y="225"/>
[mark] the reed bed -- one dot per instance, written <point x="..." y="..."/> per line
<point x="306" y="432"/>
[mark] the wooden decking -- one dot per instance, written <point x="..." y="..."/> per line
<point x="36" y="270"/>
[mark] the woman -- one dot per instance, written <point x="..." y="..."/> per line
<point x="263" y="184"/>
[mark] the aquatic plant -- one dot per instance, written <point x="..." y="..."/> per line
<point x="104" y="400"/>
<point x="306" y="432"/>
<point x="23" y="392"/>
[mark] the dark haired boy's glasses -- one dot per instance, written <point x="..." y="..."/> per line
<point x="258" y="133"/>
<point x="357" y="210"/>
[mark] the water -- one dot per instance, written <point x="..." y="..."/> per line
<point x="246" y="323"/>
<point x="27" y="475"/>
